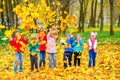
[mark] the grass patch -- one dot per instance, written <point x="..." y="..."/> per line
<point x="101" y="35"/>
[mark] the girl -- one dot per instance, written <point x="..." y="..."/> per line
<point x="68" y="50"/>
<point x="78" y="48"/>
<point x="17" y="42"/>
<point x="92" y="45"/>
<point x="43" y="41"/>
<point x="33" y="47"/>
<point x="51" y="48"/>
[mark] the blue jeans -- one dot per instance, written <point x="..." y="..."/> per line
<point x="92" y="58"/>
<point x="69" y="56"/>
<point x="52" y="57"/>
<point x="42" y="58"/>
<point x="18" y="59"/>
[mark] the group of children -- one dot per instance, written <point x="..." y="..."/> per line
<point x="44" y="42"/>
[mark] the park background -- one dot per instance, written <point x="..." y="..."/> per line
<point x="72" y="16"/>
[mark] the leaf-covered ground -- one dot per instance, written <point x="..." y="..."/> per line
<point x="107" y="68"/>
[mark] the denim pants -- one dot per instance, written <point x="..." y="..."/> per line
<point x="34" y="62"/>
<point x="52" y="58"/>
<point x="92" y="58"/>
<point x="69" y="56"/>
<point x="19" y="59"/>
<point x="42" y="58"/>
<point x="76" y="59"/>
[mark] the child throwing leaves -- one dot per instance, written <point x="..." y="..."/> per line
<point x="33" y="47"/>
<point x="42" y="36"/>
<point x="92" y="45"/>
<point x="17" y="42"/>
<point x="78" y="48"/>
<point x="51" y="46"/>
<point x="68" y="50"/>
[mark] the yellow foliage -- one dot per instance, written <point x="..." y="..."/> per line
<point x="1" y="10"/>
<point x="57" y="3"/>
<point x="8" y="33"/>
<point x="2" y="26"/>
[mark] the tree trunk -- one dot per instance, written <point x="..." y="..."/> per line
<point x="47" y="2"/>
<point x="65" y="7"/>
<point x="119" y="21"/>
<point x="11" y="14"/>
<point x="2" y="13"/>
<point x="91" y="18"/>
<point x="93" y="13"/>
<point x="7" y="13"/>
<point x="111" y="16"/>
<point x="94" y="16"/>
<point x="101" y="16"/>
<point x="82" y="14"/>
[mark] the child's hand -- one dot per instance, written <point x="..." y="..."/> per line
<point x="33" y="54"/>
<point x="38" y="49"/>
<point x="94" y="50"/>
<point x="90" y="48"/>
<point x="66" y="45"/>
<point x="42" y="42"/>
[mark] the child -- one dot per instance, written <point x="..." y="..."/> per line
<point x="33" y="47"/>
<point x="17" y="42"/>
<point x="92" y="44"/>
<point x="77" y="44"/>
<point x="51" y="48"/>
<point x="68" y="50"/>
<point x="42" y="36"/>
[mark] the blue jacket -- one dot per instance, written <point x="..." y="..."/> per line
<point x="69" y="41"/>
<point x="33" y="48"/>
<point x="78" y="47"/>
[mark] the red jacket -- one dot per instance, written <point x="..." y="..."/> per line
<point x="42" y="46"/>
<point x="17" y="45"/>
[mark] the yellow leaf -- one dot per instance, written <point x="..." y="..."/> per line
<point x="8" y="33"/>
<point x="4" y="38"/>
<point x="25" y="0"/>
<point x="57" y="3"/>
<point x="65" y="12"/>
<point x="2" y="26"/>
<point x="1" y="10"/>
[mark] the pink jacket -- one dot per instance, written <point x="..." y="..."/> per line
<point x="92" y="44"/>
<point x="51" y="43"/>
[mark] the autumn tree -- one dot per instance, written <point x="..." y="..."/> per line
<point x="101" y="16"/>
<point x="111" y="16"/>
<point x="82" y="13"/>
<point x="2" y="13"/>
<point x="93" y="13"/>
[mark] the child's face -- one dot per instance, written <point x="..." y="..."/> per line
<point x="78" y="37"/>
<point x="18" y="35"/>
<point x="93" y="37"/>
<point x="68" y="37"/>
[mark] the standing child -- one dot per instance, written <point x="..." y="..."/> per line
<point x="33" y="47"/>
<point x="78" y="48"/>
<point x="51" y="48"/>
<point x="68" y="50"/>
<point x="92" y="44"/>
<point x="17" y="42"/>
<point x="42" y="36"/>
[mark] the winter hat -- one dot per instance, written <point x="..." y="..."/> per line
<point x="93" y="34"/>
<point x="68" y="35"/>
